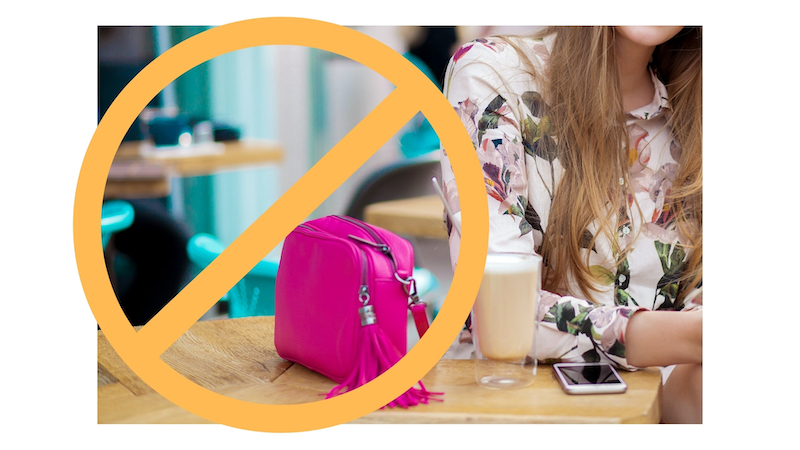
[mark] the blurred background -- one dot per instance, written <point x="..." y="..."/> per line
<point x="164" y="219"/>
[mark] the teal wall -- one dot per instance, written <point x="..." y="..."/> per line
<point x="193" y="87"/>
<point x="242" y="93"/>
<point x="192" y="93"/>
<point x="237" y="89"/>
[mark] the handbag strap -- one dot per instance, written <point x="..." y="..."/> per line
<point x="417" y="306"/>
<point x="420" y="317"/>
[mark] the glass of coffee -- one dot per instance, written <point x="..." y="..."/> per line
<point x="504" y="321"/>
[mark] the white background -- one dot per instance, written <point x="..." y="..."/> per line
<point x="49" y="114"/>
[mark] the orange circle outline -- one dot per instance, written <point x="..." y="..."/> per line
<point x="89" y="196"/>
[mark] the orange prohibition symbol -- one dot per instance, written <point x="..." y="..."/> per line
<point x="141" y="349"/>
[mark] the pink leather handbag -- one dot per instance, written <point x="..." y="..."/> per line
<point x="341" y="295"/>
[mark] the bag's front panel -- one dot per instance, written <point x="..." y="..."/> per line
<point x="391" y="310"/>
<point x="316" y="310"/>
<point x="317" y="292"/>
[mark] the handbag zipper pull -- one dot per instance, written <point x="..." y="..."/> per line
<point x="382" y="247"/>
<point x="367" y="311"/>
<point x="363" y="294"/>
<point x="410" y="285"/>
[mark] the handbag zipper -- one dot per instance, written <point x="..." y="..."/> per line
<point x="410" y="285"/>
<point x="362" y="226"/>
<point x="379" y="244"/>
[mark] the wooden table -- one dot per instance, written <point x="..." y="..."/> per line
<point x="418" y="216"/>
<point x="140" y="171"/>
<point x="237" y="358"/>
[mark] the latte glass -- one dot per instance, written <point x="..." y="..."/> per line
<point x="504" y="321"/>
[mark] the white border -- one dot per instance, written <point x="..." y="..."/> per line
<point x="48" y="82"/>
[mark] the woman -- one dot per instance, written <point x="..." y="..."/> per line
<point x="590" y="143"/>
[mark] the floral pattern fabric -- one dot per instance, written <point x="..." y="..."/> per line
<point x="507" y="120"/>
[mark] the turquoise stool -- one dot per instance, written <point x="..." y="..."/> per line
<point x="253" y="295"/>
<point x="116" y="216"/>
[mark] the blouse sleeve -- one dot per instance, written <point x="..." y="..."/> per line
<point x="483" y="85"/>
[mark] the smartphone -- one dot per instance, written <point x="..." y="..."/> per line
<point x="589" y="378"/>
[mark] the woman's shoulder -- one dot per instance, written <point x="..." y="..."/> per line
<point x="499" y="62"/>
<point x="503" y="53"/>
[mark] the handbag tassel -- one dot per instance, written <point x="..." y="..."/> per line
<point x="376" y="354"/>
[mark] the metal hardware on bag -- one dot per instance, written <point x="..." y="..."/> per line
<point x="378" y="241"/>
<point x="386" y="250"/>
<point x="405" y="282"/>
<point x="410" y="286"/>
<point x="382" y="247"/>
<point x="414" y="300"/>
<point x="367" y="314"/>
<point x="363" y="295"/>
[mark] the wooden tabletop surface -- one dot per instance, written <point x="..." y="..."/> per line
<point x="237" y="358"/>
<point x="418" y="216"/>
<point x="140" y="170"/>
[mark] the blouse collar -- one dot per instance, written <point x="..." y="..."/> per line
<point x="657" y="106"/>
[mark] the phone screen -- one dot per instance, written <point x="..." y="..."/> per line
<point x="589" y="374"/>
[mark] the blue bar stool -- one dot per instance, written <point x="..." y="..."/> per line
<point x="116" y="216"/>
<point x="253" y="295"/>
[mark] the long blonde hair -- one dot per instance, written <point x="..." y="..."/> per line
<point x="582" y="89"/>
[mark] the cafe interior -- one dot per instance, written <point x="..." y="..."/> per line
<point x="221" y="143"/>
<point x="212" y="152"/>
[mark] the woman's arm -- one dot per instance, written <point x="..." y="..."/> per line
<point x="477" y="87"/>
<point x="662" y="338"/>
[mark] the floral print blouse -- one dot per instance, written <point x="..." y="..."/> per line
<point x="506" y="117"/>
